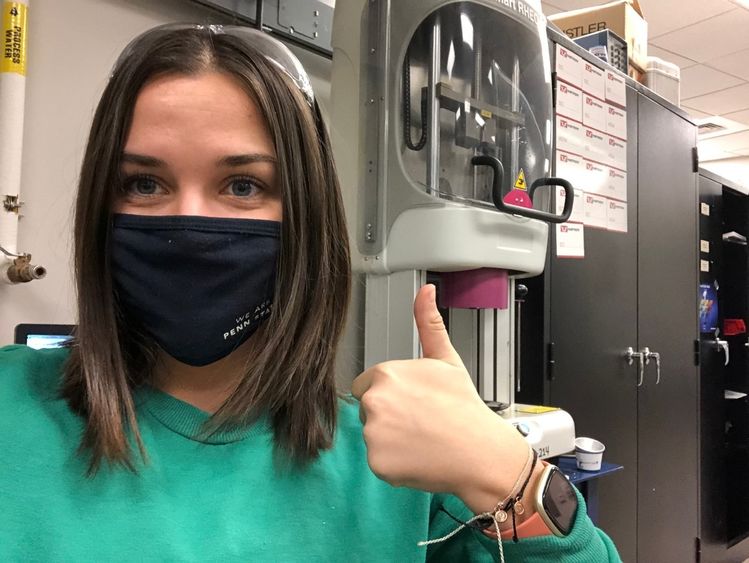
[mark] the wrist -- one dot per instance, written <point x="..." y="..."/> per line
<point x="495" y="468"/>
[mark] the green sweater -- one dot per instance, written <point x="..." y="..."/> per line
<point x="220" y="500"/>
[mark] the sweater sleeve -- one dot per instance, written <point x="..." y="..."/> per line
<point x="585" y="544"/>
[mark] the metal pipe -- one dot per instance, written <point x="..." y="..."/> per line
<point x="12" y="95"/>
<point x="515" y="140"/>
<point x="259" y="15"/>
<point x="433" y="110"/>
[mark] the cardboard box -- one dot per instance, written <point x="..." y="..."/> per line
<point x="623" y="17"/>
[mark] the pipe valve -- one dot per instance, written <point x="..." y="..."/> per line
<point x="20" y="270"/>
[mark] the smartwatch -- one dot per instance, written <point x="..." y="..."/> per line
<point x="556" y="501"/>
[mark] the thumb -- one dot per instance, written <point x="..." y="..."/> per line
<point x="435" y="342"/>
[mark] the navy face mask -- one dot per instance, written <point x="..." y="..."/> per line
<point x="200" y="286"/>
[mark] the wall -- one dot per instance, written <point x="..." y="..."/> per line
<point x="72" y="47"/>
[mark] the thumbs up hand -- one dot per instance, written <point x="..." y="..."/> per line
<point x="426" y="427"/>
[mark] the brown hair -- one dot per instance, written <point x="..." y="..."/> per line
<point x="291" y="377"/>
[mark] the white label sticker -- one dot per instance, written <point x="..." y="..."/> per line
<point x="616" y="184"/>
<point x="595" y="145"/>
<point x="616" y="152"/>
<point x="616" y="121"/>
<point x="616" y="90"/>
<point x="705" y="246"/>
<point x="616" y="216"/>
<point x="705" y="209"/>
<point x="704" y="266"/>
<point x="578" y="207"/>
<point x="571" y="167"/>
<point x="596" y="176"/>
<point x="569" y="67"/>
<point x="594" y="112"/>
<point x="569" y="101"/>
<point x="570" y="240"/>
<point x="570" y="136"/>
<point x="595" y="211"/>
<point x="594" y="81"/>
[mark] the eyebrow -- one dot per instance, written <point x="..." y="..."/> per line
<point x="232" y="160"/>
<point x="242" y="159"/>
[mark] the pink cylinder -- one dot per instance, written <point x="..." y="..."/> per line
<point x="484" y="288"/>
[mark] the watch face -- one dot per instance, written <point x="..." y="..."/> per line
<point x="560" y="501"/>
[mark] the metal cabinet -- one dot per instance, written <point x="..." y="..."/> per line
<point x="637" y="290"/>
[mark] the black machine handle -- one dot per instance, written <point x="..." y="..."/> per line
<point x="499" y="173"/>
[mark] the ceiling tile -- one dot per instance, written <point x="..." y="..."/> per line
<point x="736" y="64"/>
<point x="665" y="16"/>
<point x="722" y="102"/>
<point x="701" y="79"/>
<point x="569" y="5"/>
<point x="682" y="62"/>
<point x="740" y="116"/>
<point x="549" y="9"/>
<point x="695" y="114"/>
<point x="709" y="39"/>
<point x="736" y="141"/>
<point x="707" y="155"/>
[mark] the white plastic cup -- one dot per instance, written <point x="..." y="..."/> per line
<point x="589" y="453"/>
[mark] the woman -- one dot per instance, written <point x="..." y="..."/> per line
<point x="195" y="417"/>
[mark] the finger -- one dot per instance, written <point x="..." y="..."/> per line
<point x="435" y="342"/>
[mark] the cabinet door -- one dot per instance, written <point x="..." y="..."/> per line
<point x="593" y="319"/>
<point x="667" y="324"/>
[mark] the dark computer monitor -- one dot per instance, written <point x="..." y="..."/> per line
<point x="43" y="336"/>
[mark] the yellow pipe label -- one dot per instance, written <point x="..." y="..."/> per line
<point x="14" y="38"/>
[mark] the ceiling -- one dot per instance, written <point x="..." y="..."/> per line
<point x="709" y="40"/>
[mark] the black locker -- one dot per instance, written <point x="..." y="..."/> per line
<point x="635" y="290"/>
<point x="667" y="464"/>
<point x="593" y="319"/>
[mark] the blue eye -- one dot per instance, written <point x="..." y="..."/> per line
<point x="141" y="186"/>
<point x="242" y="188"/>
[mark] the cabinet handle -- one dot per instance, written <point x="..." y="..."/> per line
<point x="723" y="345"/>
<point x="630" y="355"/>
<point x="653" y="356"/>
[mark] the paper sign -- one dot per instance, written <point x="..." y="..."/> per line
<point x="595" y="211"/>
<point x="569" y="101"/>
<point x="705" y="209"/>
<point x="616" y="152"/>
<point x="570" y="136"/>
<point x="705" y="246"/>
<point x="704" y="266"/>
<point x="595" y="145"/>
<point x="594" y="112"/>
<point x="571" y="167"/>
<point x="616" y="90"/>
<point x="578" y="208"/>
<point x="569" y="67"/>
<point x="616" y="185"/>
<point x="616" y="216"/>
<point x="570" y="240"/>
<point x="596" y="177"/>
<point x="616" y="121"/>
<point x="594" y="81"/>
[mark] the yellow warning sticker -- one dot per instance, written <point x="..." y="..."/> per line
<point x="531" y="409"/>
<point x="486" y="113"/>
<point x="520" y="182"/>
<point x="13" y="57"/>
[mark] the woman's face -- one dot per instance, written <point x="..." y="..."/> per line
<point x="198" y="145"/>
